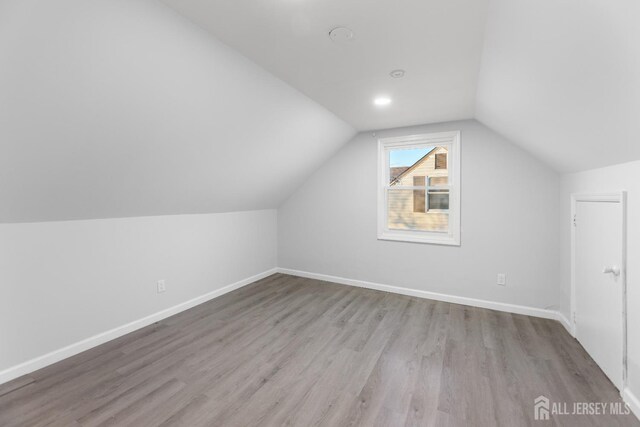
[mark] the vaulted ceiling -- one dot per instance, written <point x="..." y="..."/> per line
<point x="123" y="108"/>
<point x="561" y="78"/>
<point x="437" y="42"/>
<point x="126" y="108"/>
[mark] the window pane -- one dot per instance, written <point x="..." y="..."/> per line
<point x="401" y="215"/>
<point x="406" y="164"/>
<point x="402" y="160"/>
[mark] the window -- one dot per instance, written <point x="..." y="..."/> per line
<point x="419" y="193"/>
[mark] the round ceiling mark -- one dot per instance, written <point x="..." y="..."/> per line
<point x="397" y="74"/>
<point x="341" y="34"/>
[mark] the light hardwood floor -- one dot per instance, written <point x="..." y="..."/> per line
<point x="293" y="351"/>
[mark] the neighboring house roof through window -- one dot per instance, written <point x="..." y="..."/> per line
<point x="410" y="168"/>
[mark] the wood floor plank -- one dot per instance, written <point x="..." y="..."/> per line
<point x="293" y="351"/>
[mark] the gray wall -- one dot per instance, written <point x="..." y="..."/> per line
<point x="509" y="224"/>
<point x="62" y="282"/>
<point x="614" y="178"/>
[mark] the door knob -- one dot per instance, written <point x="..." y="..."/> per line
<point x="612" y="269"/>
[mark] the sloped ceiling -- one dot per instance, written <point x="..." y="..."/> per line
<point x="114" y="108"/>
<point x="124" y="108"/>
<point x="437" y="42"/>
<point x="562" y="79"/>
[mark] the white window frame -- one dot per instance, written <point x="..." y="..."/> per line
<point x="451" y="140"/>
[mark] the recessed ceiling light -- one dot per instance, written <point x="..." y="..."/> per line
<point x="396" y="74"/>
<point x="341" y="34"/>
<point x="381" y="101"/>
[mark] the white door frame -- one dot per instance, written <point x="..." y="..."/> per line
<point x="612" y="197"/>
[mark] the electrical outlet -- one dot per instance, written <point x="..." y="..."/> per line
<point x="162" y="286"/>
<point x="502" y="279"/>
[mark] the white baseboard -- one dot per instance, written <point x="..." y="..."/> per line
<point x="499" y="306"/>
<point x="632" y="401"/>
<point x="94" y="341"/>
<point x="566" y="323"/>
<point x="630" y="398"/>
<point x="78" y="347"/>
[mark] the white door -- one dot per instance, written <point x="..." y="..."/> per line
<point x="599" y="283"/>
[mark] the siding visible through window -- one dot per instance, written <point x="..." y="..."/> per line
<point x="419" y="196"/>
<point x="441" y="160"/>
<point x="438" y="180"/>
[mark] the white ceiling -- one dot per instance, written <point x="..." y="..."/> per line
<point x="121" y="108"/>
<point x="437" y="42"/>
<point x="559" y="78"/>
<point x="562" y="79"/>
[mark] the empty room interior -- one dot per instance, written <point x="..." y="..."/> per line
<point x="319" y="213"/>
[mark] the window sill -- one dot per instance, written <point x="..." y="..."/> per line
<point x="418" y="237"/>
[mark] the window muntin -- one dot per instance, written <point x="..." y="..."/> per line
<point x="419" y="190"/>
